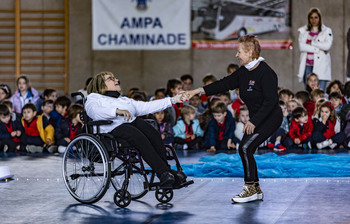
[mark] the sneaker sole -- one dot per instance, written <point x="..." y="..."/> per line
<point x="260" y="196"/>
<point x="254" y="197"/>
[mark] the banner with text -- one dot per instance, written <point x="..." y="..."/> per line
<point x="141" y="24"/>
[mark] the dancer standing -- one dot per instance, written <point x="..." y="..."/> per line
<point x="257" y="84"/>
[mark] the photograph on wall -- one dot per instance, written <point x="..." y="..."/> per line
<point x="217" y="24"/>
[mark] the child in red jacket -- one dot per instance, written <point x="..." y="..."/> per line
<point x="300" y="130"/>
<point x="324" y="134"/>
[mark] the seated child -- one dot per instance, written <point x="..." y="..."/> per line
<point x="300" y="130"/>
<point x="164" y="127"/>
<point x="221" y="130"/>
<point x="243" y="118"/>
<point x="46" y="108"/>
<point x="195" y="101"/>
<point x="69" y="127"/>
<point x="38" y="132"/>
<point x="237" y="104"/>
<point x="292" y="104"/>
<point x="276" y="138"/>
<point x="323" y="134"/>
<point x="61" y="109"/>
<point x="187" y="131"/>
<point x="316" y="94"/>
<point x="14" y="116"/>
<point x="304" y="98"/>
<point x="48" y="94"/>
<point x="336" y="101"/>
<point x="10" y="131"/>
<point x="285" y="95"/>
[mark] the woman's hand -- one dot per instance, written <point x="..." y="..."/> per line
<point x="190" y="94"/>
<point x="127" y="115"/>
<point x="180" y="98"/>
<point x="249" y="128"/>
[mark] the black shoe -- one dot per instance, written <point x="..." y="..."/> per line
<point x="166" y="180"/>
<point x="180" y="177"/>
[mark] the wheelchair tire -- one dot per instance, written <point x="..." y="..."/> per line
<point x="86" y="169"/>
<point x="122" y="198"/>
<point x="164" y="195"/>
<point x="138" y="183"/>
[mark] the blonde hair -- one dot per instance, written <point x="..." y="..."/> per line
<point x="187" y="109"/>
<point x="97" y="84"/>
<point x="251" y="42"/>
<point x="318" y="104"/>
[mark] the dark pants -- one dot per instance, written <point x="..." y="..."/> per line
<point x="32" y="140"/>
<point x="279" y="133"/>
<point x="147" y="140"/>
<point x="318" y="136"/>
<point x="289" y="143"/>
<point x="10" y="144"/>
<point x="191" y="143"/>
<point x="250" y="143"/>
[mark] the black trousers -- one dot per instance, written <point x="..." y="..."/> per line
<point x="250" y="143"/>
<point x="147" y="140"/>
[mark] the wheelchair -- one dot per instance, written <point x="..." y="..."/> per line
<point x="93" y="160"/>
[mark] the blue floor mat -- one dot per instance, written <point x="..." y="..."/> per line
<point x="271" y="165"/>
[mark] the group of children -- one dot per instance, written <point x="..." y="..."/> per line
<point x="33" y="123"/>
<point x="313" y="118"/>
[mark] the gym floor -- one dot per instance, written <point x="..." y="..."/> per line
<point x="37" y="194"/>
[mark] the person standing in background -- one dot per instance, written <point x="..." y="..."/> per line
<point x="315" y="42"/>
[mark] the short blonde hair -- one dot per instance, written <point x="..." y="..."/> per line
<point x="187" y="109"/>
<point x="97" y="84"/>
<point x="251" y="42"/>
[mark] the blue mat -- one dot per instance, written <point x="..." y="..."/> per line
<point x="271" y="165"/>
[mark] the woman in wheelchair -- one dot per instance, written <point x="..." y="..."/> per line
<point x="104" y="102"/>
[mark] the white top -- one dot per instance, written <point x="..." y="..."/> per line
<point x="101" y="107"/>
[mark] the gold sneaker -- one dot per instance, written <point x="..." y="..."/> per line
<point x="248" y="193"/>
<point x="259" y="192"/>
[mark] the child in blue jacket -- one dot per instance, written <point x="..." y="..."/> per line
<point x="187" y="131"/>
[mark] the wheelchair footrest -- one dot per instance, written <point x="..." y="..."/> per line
<point x="185" y="184"/>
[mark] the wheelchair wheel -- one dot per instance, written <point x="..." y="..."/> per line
<point x="122" y="198"/>
<point x="164" y="195"/>
<point x="86" y="169"/>
<point x="138" y="183"/>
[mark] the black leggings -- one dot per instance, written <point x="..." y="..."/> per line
<point x="147" y="140"/>
<point x="250" y="143"/>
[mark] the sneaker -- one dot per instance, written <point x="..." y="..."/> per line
<point x="323" y="144"/>
<point x="332" y="146"/>
<point x="259" y="192"/>
<point x="248" y="193"/>
<point x="61" y="148"/>
<point x="185" y="146"/>
<point x="306" y="145"/>
<point x="279" y="148"/>
<point x="34" y="148"/>
<point x="6" y="148"/>
<point x="270" y="145"/>
<point x="52" y="149"/>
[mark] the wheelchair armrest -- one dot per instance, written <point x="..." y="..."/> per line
<point x="99" y="123"/>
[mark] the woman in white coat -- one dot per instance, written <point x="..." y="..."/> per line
<point x="105" y="103"/>
<point x="315" y="42"/>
